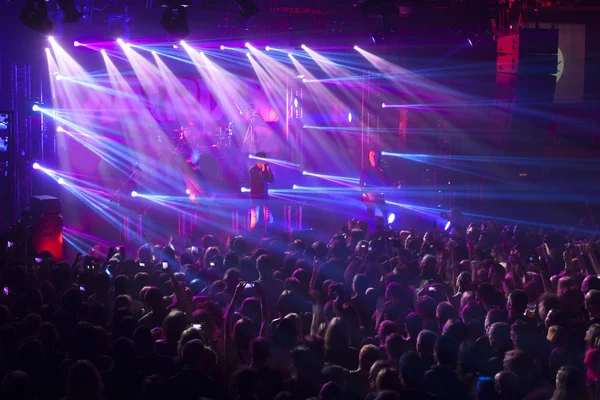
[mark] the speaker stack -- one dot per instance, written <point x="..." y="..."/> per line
<point x="47" y="232"/>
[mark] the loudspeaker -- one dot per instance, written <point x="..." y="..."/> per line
<point x="48" y="235"/>
<point x="44" y="206"/>
<point x="47" y="225"/>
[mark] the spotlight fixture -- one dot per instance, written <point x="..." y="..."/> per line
<point x="356" y="48"/>
<point x="182" y="42"/>
<point x="350" y="117"/>
<point x="222" y="47"/>
<point x="47" y="49"/>
<point x="174" y="21"/>
<point x="70" y="12"/>
<point x="118" y="26"/>
<point x="175" y="46"/>
<point x="36" y="166"/>
<point x="61" y="181"/>
<point x="303" y="47"/>
<point x="247" y="8"/>
<point x="154" y="53"/>
<point x="35" y="108"/>
<point x="59" y="77"/>
<point x="35" y="16"/>
<point x="267" y="48"/>
<point x="103" y="52"/>
<point x="294" y="187"/>
<point x="383" y="105"/>
<point x="120" y="41"/>
<point x="134" y="194"/>
<point x="290" y="55"/>
<point x="76" y="44"/>
<point x="60" y="129"/>
<point x="188" y="191"/>
<point x="304" y="173"/>
<point x="247" y="45"/>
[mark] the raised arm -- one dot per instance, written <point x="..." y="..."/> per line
<point x="230" y="311"/>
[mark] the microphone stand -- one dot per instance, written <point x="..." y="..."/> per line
<point x="137" y="168"/>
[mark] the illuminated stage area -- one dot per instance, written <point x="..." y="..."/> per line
<point x="159" y="136"/>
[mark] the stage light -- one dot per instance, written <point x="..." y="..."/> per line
<point x="249" y="55"/>
<point x="245" y="190"/>
<point x="134" y="194"/>
<point x="303" y="80"/>
<point x="175" y="46"/>
<point x="35" y="107"/>
<point x="61" y="181"/>
<point x="294" y="187"/>
<point x="349" y="117"/>
<point x="247" y="8"/>
<point x="174" y="21"/>
<point x="296" y="102"/>
<point x="201" y="53"/>
<point x="304" y="173"/>
<point x="192" y="196"/>
<point x="35" y="16"/>
<point x="58" y="77"/>
<point x="47" y="50"/>
<point x="188" y="191"/>
<point x="356" y="48"/>
<point x="118" y="26"/>
<point x="182" y="43"/>
<point x="60" y="129"/>
<point x="391" y="218"/>
<point x="76" y="44"/>
<point x="153" y="52"/>
<point x="51" y="39"/>
<point x="267" y="48"/>
<point x="448" y="225"/>
<point x="303" y="46"/>
<point x="470" y="42"/>
<point x="120" y="41"/>
<point x="222" y="47"/>
<point x="383" y="105"/>
<point x="36" y="166"/>
<point x="103" y="52"/>
<point x="290" y="55"/>
<point x="70" y="12"/>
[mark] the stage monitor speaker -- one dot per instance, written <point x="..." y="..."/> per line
<point x="48" y="235"/>
<point x="44" y="206"/>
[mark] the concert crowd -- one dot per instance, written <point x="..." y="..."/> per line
<point x="468" y="312"/>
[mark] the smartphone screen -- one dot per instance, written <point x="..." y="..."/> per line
<point x="142" y="264"/>
<point x="165" y="265"/>
<point x="6" y="290"/>
<point x="9" y="244"/>
<point x="249" y="286"/>
<point x="194" y="249"/>
<point x="212" y="264"/>
<point x="197" y="327"/>
<point x="38" y="260"/>
<point x="82" y="288"/>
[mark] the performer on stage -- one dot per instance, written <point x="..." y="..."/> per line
<point x="260" y="178"/>
<point x="373" y="182"/>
